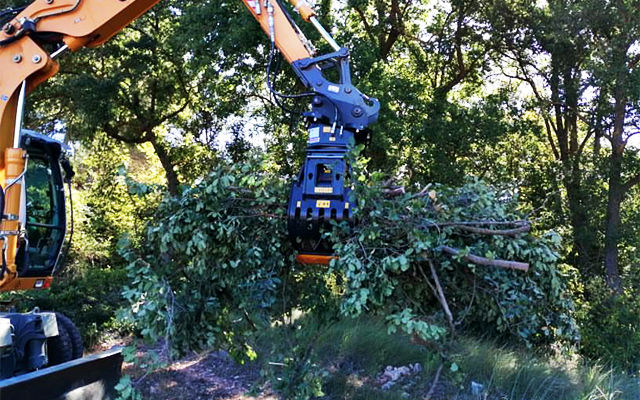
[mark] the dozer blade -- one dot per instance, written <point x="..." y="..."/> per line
<point x="89" y="378"/>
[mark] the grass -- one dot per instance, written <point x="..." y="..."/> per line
<point x="356" y="351"/>
<point x="365" y="345"/>
<point x="516" y="375"/>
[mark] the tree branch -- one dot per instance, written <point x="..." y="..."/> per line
<point x="487" y="261"/>
<point x="501" y="232"/>
<point x="442" y="298"/>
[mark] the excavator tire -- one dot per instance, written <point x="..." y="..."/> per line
<point x="74" y="335"/>
<point x="59" y="348"/>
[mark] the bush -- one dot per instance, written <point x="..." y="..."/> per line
<point x="395" y="258"/>
<point x="211" y="266"/>
<point x="217" y="267"/>
<point x="610" y="325"/>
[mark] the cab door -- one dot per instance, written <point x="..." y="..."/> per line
<point x="45" y="219"/>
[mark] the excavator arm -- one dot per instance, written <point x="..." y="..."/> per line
<point x="338" y="114"/>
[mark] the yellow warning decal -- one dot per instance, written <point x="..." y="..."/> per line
<point x="323" y="204"/>
<point x="327" y="129"/>
<point x="320" y="189"/>
<point x="346" y="206"/>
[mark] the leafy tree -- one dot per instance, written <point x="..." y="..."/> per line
<point x="577" y="59"/>
<point x="138" y="88"/>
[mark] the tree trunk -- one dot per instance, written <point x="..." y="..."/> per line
<point x="616" y="194"/>
<point x="172" y="177"/>
<point x="584" y="239"/>
<point x="612" y="232"/>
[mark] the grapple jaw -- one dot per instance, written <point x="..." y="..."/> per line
<point x="338" y="118"/>
<point x="320" y="194"/>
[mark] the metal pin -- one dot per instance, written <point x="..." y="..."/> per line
<point x="272" y="28"/>
<point x="326" y="35"/>
<point x="19" y="115"/>
<point x="59" y="51"/>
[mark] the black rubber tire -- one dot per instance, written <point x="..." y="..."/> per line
<point x="59" y="348"/>
<point x="74" y="335"/>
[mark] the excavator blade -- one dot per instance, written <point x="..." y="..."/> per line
<point x="89" y="378"/>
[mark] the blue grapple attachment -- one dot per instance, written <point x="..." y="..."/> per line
<point x="339" y="117"/>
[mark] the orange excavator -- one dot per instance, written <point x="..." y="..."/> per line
<point x="34" y="167"/>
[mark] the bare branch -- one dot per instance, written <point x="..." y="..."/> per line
<point x="502" y="232"/>
<point x="442" y="298"/>
<point x="520" y="266"/>
<point x="484" y="223"/>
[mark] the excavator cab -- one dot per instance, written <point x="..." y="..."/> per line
<point x="43" y="213"/>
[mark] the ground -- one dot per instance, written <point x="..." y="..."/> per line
<point x="362" y="359"/>
<point x="209" y="376"/>
<point x="215" y="376"/>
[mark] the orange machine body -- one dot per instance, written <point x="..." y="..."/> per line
<point x="287" y="38"/>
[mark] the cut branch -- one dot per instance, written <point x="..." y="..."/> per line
<point x="442" y="298"/>
<point x="429" y="395"/>
<point x="520" y="266"/>
<point x="394" y="191"/>
<point x="484" y="223"/>
<point x="501" y="232"/>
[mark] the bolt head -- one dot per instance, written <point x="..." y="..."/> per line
<point x="48" y="1"/>
<point x="8" y="29"/>
<point x="16" y="58"/>
<point x="36" y="59"/>
<point x="357" y="112"/>
<point x="348" y="90"/>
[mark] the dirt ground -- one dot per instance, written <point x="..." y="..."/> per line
<point x="210" y="376"/>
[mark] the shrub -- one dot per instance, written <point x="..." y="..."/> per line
<point x="400" y="251"/>
<point x="216" y="267"/>
<point x="610" y="325"/>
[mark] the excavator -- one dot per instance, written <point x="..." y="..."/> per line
<point x="34" y="167"/>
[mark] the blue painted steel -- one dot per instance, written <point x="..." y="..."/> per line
<point x="339" y="117"/>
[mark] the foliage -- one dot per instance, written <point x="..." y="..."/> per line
<point x="395" y="254"/>
<point x="212" y="262"/>
<point x="216" y="268"/>
<point x="610" y="326"/>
